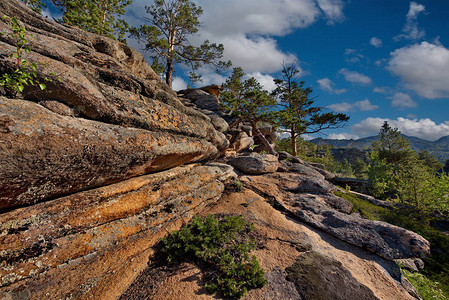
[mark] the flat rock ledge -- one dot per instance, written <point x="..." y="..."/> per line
<point x="94" y="243"/>
<point x="303" y="198"/>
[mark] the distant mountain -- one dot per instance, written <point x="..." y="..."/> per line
<point x="439" y="148"/>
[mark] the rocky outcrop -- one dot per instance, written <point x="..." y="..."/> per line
<point x="310" y="201"/>
<point x="44" y="155"/>
<point x="108" y="118"/>
<point x="255" y="163"/>
<point x="319" y="265"/>
<point x="95" y="242"/>
<point x="319" y="277"/>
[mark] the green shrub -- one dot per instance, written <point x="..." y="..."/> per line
<point x="238" y="185"/>
<point x="426" y="288"/>
<point x="222" y="245"/>
<point x="25" y="73"/>
<point x="437" y="265"/>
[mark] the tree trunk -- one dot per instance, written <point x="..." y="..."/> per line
<point x="169" y="72"/>
<point x="293" y="140"/>
<point x="262" y="138"/>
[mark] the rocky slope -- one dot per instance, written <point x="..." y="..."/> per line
<point x="100" y="165"/>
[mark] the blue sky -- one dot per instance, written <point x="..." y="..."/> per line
<point x="375" y="60"/>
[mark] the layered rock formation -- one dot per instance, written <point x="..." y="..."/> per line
<point x="100" y="165"/>
<point x="135" y="121"/>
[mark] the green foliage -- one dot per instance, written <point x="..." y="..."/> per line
<point x="365" y="208"/>
<point x="221" y="244"/>
<point x="398" y="172"/>
<point x="247" y="100"/>
<point x="360" y="169"/>
<point x="238" y="185"/>
<point x="430" y="161"/>
<point x="170" y="24"/>
<point x="437" y="265"/>
<point x="426" y="288"/>
<point x="35" y="5"/>
<point x="25" y="73"/>
<point x="297" y="114"/>
<point x="392" y="146"/>
<point x="97" y="16"/>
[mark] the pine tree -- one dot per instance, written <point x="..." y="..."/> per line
<point x="170" y="23"/>
<point x="35" y="5"/>
<point x="96" y="16"/>
<point x="247" y="100"/>
<point x="431" y="161"/>
<point x="297" y="114"/>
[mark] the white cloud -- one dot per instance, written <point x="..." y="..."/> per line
<point x="267" y="81"/>
<point x="382" y="90"/>
<point x="178" y="84"/>
<point x="341" y="107"/>
<point x="343" y="136"/>
<point x="376" y="42"/>
<point x="246" y="27"/>
<point x="327" y="85"/>
<point x="208" y="77"/>
<point x="423" y="128"/>
<point x="249" y="53"/>
<point x="353" y="55"/>
<point x="363" y="105"/>
<point x="333" y="10"/>
<point x="402" y="100"/>
<point x="355" y="77"/>
<point x="411" y="31"/>
<point x="423" y="68"/>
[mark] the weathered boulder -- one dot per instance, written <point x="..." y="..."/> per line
<point x="45" y="155"/>
<point x="202" y="99"/>
<point x="109" y="118"/>
<point x="255" y="163"/>
<point x="384" y="239"/>
<point x="319" y="277"/>
<point x="242" y="142"/>
<point x="310" y="201"/>
<point x="94" y="243"/>
<point x="287" y="166"/>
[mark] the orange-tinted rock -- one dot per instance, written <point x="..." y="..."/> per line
<point x="46" y="155"/>
<point x="137" y="124"/>
<point x="90" y="243"/>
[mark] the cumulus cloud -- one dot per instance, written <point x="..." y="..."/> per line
<point x="363" y="105"/>
<point x="402" y="100"/>
<point x="267" y="81"/>
<point x="327" y="85"/>
<point x="341" y="107"/>
<point x="246" y="27"/>
<point x="249" y="53"/>
<point x="353" y="55"/>
<point x="376" y="42"/>
<point x="179" y="84"/>
<point x="382" y="90"/>
<point x="355" y="77"/>
<point x="423" y="69"/>
<point x="333" y="10"/>
<point x="343" y="136"/>
<point x="411" y="31"/>
<point x="423" y="128"/>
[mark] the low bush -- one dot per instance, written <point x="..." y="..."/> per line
<point x="221" y="246"/>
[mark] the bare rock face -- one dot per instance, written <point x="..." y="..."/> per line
<point x="109" y="117"/>
<point x="311" y="201"/>
<point x="319" y="277"/>
<point x="255" y="163"/>
<point x="94" y="243"/>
